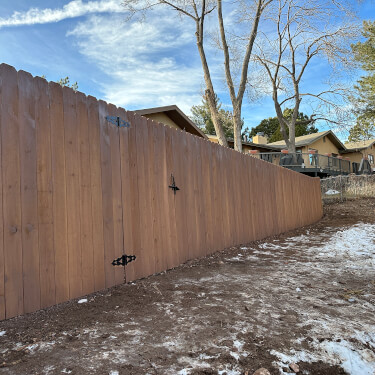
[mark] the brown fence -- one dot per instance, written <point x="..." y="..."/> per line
<point x="76" y="192"/>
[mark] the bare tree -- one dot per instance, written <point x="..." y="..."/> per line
<point x="303" y="31"/>
<point x="197" y="10"/>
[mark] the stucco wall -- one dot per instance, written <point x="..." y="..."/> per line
<point x="163" y="118"/>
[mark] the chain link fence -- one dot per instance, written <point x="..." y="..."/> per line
<point x="337" y="189"/>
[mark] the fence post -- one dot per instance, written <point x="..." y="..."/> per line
<point x="342" y="199"/>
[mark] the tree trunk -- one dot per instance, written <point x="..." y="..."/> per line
<point x="210" y="92"/>
<point x="237" y="127"/>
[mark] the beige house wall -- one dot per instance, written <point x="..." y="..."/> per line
<point x="357" y="156"/>
<point x="323" y="147"/>
<point x="163" y="118"/>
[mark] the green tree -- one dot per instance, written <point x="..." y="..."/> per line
<point x="364" y="100"/>
<point x="66" y="82"/>
<point x="201" y="116"/>
<point x="271" y="126"/>
<point x="362" y="131"/>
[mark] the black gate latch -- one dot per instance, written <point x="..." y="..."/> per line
<point x="173" y="185"/>
<point x="124" y="260"/>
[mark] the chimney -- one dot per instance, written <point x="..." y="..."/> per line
<point x="260" y="139"/>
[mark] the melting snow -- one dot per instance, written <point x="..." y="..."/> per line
<point x="332" y="192"/>
<point x="83" y="300"/>
<point x="2" y="333"/>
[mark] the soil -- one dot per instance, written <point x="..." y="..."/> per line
<point x="230" y="313"/>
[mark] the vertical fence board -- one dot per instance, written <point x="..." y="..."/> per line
<point x="29" y="195"/>
<point x="96" y="194"/>
<point x="160" y="209"/>
<point x="180" y="198"/>
<point x="126" y="181"/>
<point x="152" y="196"/>
<point x="11" y="193"/>
<point x="60" y="229"/>
<point x="2" y="278"/>
<point x="45" y="194"/>
<point x="107" y="200"/>
<point x="73" y="194"/>
<point x="132" y="213"/>
<point x="146" y="257"/>
<point x="116" y="195"/>
<point x="170" y="199"/>
<point x="87" y="253"/>
<point x="201" y="192"/>
<point x="206" y="191"/>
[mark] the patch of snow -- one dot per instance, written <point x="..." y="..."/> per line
<point x="2" y="333"/>
<point x="298" y="290"/>
<point x="229" y="371"/>
<point x="351" y="360"/>
<point x="355" y="361"/>
<point x="358" y="240"/>
<point x="332" y="192"/>
<point x="83" y="300"/>
<point x="235" y="355"/>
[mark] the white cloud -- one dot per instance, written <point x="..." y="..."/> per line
<point x="75" y="8"/>
<point x="148" y="64"/>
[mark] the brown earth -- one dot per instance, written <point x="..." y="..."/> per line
<point x="228" y="313"/>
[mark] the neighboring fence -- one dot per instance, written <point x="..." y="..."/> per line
<point x="347" y="187"/>
<point x="78" y="192"/>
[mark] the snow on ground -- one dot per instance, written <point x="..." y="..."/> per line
<point x="354" y="249"/>
<point x="287" y="297"/>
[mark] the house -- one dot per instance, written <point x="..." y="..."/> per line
<point x="319" y="154"/>
<point x="172" y="116"/>
<point x="357" y="151"/>
<point x="322" y="143"/>
<point x="323" y="154"/>
<point x="247" y="146"/>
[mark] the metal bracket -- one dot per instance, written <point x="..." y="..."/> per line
<point x="124" y="260"/>
<point x="118" y="121"/>
<point x="173" y="185"/>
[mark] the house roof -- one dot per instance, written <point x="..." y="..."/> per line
<point x="256" y="145"/>
<point x="354" y="146"/>
<point x="177" y="116"/>
<point x="306" y="140"/>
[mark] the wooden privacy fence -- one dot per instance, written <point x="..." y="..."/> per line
<point x="76" y="192"/>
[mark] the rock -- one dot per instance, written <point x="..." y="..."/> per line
<point x="262" y="371"/>
<point x="294" y="367"/>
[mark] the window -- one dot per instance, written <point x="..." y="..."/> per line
<point x="371" y="158"/>
<point x="324" y="139"/>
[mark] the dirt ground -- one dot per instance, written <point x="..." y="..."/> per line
<point x="307" y="296"/>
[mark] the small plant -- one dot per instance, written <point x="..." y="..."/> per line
<point x="66" y="82"/>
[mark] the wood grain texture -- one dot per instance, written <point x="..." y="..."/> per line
<point x="96" y="193"/>
<point x="60" y="230"/>
<point x="86" y="224"/>
<point x="73" y="192"/>
<point x="107" y="195"/>
<point x="11" y="175"/>
<point x="2" y="269"/>
<point x="77" y="192"/>
<point x="45" y="194"/>
<point x="29" y="192"/>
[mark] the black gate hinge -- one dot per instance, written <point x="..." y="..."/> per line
<point x="124" y="260"/>
<point x="118" y="121"/>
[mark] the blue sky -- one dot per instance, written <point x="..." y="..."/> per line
<point x="128" y="64"/>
